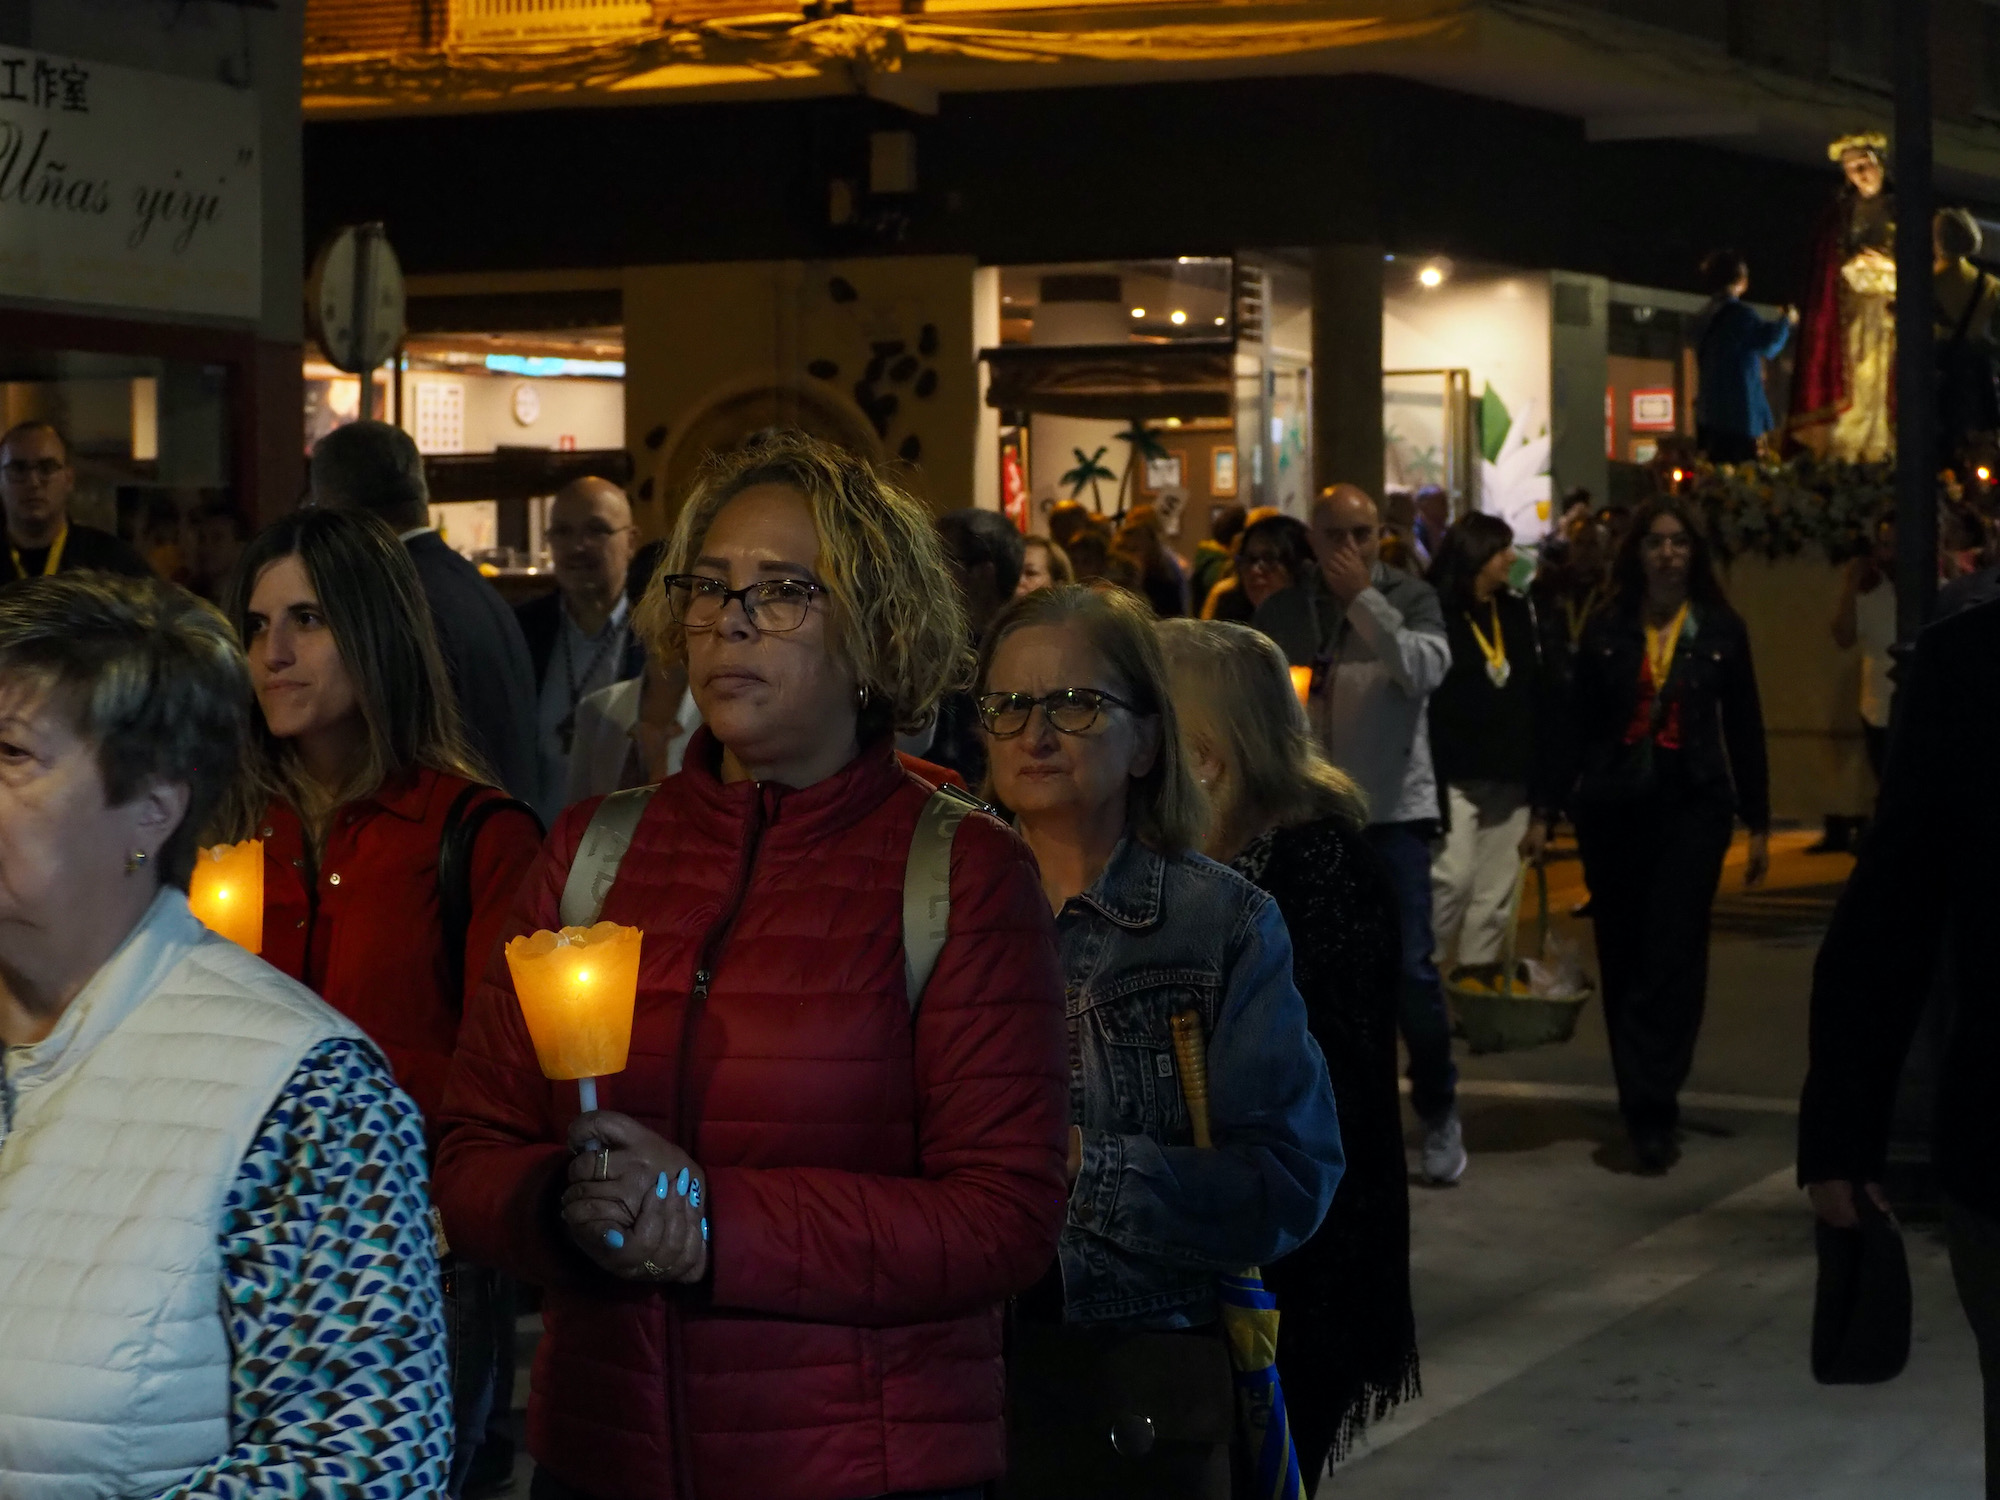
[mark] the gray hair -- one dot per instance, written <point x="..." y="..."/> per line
<point x="149" y="675"/>
<point x="1234" y="692"/>
<point x="371" y="466"/>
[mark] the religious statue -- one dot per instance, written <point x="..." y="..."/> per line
<point x="1844" y="376"/>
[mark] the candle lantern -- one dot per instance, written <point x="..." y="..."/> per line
<point x="227" y="892"/>
<point x="577" y="988"/>
<point x="1302" y="681"/>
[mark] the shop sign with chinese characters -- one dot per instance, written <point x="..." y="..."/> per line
<point x="127" y="189"/>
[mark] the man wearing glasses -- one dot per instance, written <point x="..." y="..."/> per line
<point x="1376" y="638"/>
<point x="579" y="637"/>
<point x="36" y="481"/>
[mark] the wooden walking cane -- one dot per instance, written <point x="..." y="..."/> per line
<point x="1249" y="1311"/>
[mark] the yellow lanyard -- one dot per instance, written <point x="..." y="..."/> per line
<point x="55" y="556"/>
<point x="1495" y="650"/>
<point x="1660" y="645"/>
<point x="1578" y="618"/>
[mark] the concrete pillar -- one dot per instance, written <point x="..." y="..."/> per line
<point x="1579" y="333"/>
<point x="1347" y="366"/>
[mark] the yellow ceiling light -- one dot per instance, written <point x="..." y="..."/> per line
<point x="1179" y="316"/>
<point x="1431" y="276"/>
<point x="1138" y="312"/>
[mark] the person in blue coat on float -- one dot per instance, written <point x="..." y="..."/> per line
<point x="1731" y="411"/>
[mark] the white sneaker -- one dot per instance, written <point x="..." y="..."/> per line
<point x="1444" y="1150"/>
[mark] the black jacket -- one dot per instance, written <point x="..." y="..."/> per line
<point x="1714" y="685"/>
<point x="1480" y="732"/>
<point x="541" y="624"/>
<point x="1926" y="886"/>
<point x="486" y="657"/>
<point x="1348" y="1327"/>
<point x="85" y="547"/>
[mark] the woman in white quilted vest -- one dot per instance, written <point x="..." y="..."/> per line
<point x="217" y="1275"/>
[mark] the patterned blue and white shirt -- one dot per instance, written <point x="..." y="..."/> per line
<point x="339" y="1390"/>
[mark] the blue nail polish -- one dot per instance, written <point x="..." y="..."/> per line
<point x="694" y="1194"/>
<point x="614" y="1239"/>
<point x="681" y="1183"/>
<point x="704" y="1231"/>
<point x="660" y="1187"/>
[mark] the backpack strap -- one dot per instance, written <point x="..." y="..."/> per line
<point x="462" y="823"/>
<point x="927" y="886"/>
<point x="595" y="868"/>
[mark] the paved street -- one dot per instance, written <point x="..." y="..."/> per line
<point x="1590" y="1333"/>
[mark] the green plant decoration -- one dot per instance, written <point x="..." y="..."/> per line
<point x="1141" y="445"/>
<point x="1781" y="509"/>
<point x="1088" y="471"/>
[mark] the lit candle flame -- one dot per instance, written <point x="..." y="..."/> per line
<point x="579" y="1014"/>
<point x="226" y="892"/>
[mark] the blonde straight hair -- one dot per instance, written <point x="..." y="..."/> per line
<point x="1234" y="692"/>
<point x="1165" y="808"/>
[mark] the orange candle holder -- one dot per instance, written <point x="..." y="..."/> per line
<point x="1302" y="682"/>
<point x="577" y="988"/>
<point x="227" y="892"/>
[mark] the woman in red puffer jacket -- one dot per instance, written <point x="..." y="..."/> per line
<point x="783" y="1273"/>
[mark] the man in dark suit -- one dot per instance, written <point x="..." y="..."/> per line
<point x="375" y="467"/>
<point x="1926" y="887"/>
<point x="580" y="636"/>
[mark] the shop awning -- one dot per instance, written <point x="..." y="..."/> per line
<point x="1123" y="382"/>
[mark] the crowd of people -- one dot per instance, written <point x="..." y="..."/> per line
<point x="904" y="1192"/>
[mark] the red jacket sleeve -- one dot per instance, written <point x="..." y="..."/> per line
<point x="502" y="1163"/>
<point x="981" y="1221"/>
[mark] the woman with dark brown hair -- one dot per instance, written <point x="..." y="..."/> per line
<point x="376" y="820"/>
<point x="1162" y="577"/>
<point x="1669" y="737"/>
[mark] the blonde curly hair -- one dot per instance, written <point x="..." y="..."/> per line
<point x="898" y="621"/>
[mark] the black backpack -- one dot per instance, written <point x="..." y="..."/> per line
<point x="462" y="822"/>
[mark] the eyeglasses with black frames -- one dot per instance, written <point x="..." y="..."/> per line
<point x="773" y="605"/>
<point x="20" y="470"/>
<point x="1069" y="710"/>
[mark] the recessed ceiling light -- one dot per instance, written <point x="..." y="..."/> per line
<point x="1138" y="312"/>
<point x="1431" y="276"/>
<point x="1179" y="316"/>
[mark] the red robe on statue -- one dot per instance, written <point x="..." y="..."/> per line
<point x="1819" y="367"/>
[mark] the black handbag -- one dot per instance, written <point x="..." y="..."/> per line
<point x="1861" y="1310"/>
<point x="1117" y="1414"/>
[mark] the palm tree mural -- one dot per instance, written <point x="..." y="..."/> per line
<point x="1088" y="471"/>
<point x="1142" y="446"/>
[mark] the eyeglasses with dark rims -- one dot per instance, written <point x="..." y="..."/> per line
<point x="773" y="605"/>
<point x="1069" y="710"/>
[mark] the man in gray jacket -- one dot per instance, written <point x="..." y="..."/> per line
<point x="1376" y="640"/>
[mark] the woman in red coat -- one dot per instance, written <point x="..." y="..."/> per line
<point x="781" y="1276"/>
<point x="356" y="769"/>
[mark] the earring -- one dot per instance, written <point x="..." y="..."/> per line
<point x="134" y="860"/>
<point x="860" y="697"/>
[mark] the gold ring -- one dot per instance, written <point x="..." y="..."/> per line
<point x="604" y="1165"/>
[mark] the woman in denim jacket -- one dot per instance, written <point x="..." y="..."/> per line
<point x="1084" y="751"/>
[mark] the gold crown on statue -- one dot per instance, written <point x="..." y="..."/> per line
<point x="1872" y="141"/>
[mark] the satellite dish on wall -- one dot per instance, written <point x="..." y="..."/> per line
<point x="355" y="303"/>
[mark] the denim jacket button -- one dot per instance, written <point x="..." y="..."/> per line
<point x="1084" y="1212"/>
